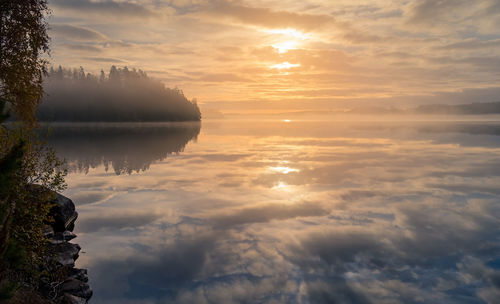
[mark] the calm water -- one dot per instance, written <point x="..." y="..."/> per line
<point x="287" y="212"/>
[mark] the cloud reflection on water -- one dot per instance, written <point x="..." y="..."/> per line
<point x="392" y="213"/>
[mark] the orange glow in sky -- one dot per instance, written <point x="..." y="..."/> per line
<point x="300" y="54"/>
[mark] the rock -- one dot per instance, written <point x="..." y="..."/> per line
<point x="68" y="235"/>
<point x="71" y="299"/>
<point x="61" y="237"/>
<point x="77" y="288"/>
<point x="79" y="274"/>
<point x="66" y="253"/>
<point x="63" y="212"/>
<point x="69" y="285"/>
<point x="56" y="241"/>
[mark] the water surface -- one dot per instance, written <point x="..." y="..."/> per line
<point x="287" y="212"/>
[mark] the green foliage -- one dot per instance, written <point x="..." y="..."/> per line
<point x="7" y="290"/>
<point x="29" y="173"/>
<point x="24" y="161"/>
<point x="10" y="164"/>
<point x="15" y="255"/>
<point x="4" y="114"/>
<point x="23" y="39"/>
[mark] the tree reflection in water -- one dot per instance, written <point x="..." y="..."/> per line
<point x="125" y="147"/>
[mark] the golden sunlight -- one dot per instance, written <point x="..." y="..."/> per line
<point x="284" y="65"/>
<point x="287" y="44"/>
<point x="284" y="170"/>
<point x="289" y="32"/>
<point x="284" y="47"/>
<point x="282" y="186"/>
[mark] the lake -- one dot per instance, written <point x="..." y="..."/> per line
<point x="275" y="211"/>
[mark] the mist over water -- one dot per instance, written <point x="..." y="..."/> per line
<point x="273" y="211"/>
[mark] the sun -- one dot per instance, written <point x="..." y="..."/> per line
<point x="285" y="46"/>
<point x="288" y="39"/>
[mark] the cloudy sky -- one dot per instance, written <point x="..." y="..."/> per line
<point x="288" y="53"/>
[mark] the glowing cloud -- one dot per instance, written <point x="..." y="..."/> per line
<point x="284" y="47"/>
<point x="284" y="170"/>
<point x="285" y="65"/>
<point x="289" y="32"/>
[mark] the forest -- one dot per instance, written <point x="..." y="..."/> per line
<point x="72" y="95"/>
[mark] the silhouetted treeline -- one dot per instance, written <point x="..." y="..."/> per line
<point x="122" y="95"/>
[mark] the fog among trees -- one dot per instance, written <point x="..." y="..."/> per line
<point x="120" y="95"/>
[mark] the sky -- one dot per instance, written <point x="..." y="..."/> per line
<point x="291" y="54"/>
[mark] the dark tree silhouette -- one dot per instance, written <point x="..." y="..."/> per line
<point x="123" y="95"/>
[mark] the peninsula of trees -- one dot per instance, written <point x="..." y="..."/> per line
<point x="71" y="95"/>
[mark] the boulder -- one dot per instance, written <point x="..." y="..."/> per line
<point x="71" y="299"/>
<point x="79" y="274"/>
<point x="77" y="288"/>
<point x="62" y="254"/>
<point x="65" y="253"/>
<point x="63" y="212"/>
<point x="61" y="237"/>
<point x="68" y="235"/>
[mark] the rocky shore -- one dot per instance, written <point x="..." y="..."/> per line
<point x="68" y="285"/>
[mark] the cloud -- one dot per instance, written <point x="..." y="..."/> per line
<point x="224" y="77"/>
<point x="360" y="37"/>
<point x="83" y="48"/>
<point x="455" y="17"/>
<point x="90" y="197"/>
<point x="268" y="213"/>
<point x="431" y="12"/>
<point x="105" y="59"/>
<point x="338" y="248"/>
<point x="468" y="188"/>
<point x="164" y="272"/>
<point x="480" y="62"/>
<point x="115" y="221"/>
<point x="470" y="44"/>
<point x="403" y="258"/>
<point x="334" y="290"/>
<point x="269" y="18"/>
<point x="77" y="33"/>
<point x="221" y="157"/>
<point x="202" y="43"/>
<point x="105" y="8"/>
